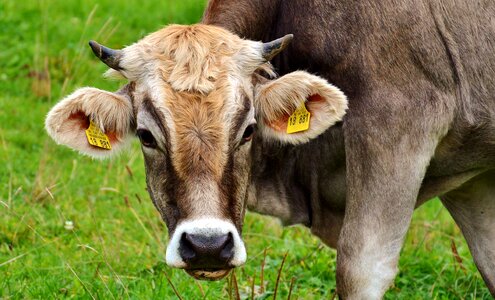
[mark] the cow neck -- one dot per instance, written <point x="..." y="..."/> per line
<point x="297" y="183"/>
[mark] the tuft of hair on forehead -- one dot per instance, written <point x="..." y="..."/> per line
<point x="194" y="58"/>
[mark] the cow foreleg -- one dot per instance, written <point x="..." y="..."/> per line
<point x="386" y="161"/>
<point x="473" y="208"/>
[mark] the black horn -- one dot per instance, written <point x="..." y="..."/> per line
<point x="109" y="56"/>
<point x="271" y="49"/>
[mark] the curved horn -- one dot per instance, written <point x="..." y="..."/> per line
<point x="109" y="56"/>
<point x="271" y="49"/>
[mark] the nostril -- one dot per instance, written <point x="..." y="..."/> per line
<point x="187" y="248"/>
<point x="227" y="248"/>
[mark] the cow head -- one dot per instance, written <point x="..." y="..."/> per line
<point x="195" y="100"/>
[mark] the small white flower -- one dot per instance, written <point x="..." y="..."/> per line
<point x="69" y="225"/>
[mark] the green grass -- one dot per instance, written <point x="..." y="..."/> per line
<point x="116" y="249"/>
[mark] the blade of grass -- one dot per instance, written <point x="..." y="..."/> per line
<point x="292" y="281"/>
<point x="278" y="276"/>
<point x="80" y="281"/>
<point x="236" y="286"/>
<point x="457" y="257"/>
<point x="173" y="287"/>
<point x="262" y="277"/>
<point x="252" y="286"/>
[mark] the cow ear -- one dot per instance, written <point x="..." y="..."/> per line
<point x="111" y="115"/>
<point x="277" y="101"/>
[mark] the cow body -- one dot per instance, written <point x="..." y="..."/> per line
<point x="420" y="77"/>
<point x="213" y="121"/>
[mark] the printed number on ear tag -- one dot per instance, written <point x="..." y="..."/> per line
<point x="299" y="120"/>
<point x="96" y="137"/>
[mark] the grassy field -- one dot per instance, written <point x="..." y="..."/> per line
<point x="117" y="246"/>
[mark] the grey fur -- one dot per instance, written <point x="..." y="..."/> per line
<point x="420" y="77"/>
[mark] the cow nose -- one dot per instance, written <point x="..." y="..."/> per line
<point x="209" y="252"/>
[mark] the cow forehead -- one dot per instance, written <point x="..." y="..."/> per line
<point x="192" y="58"/>
<point x="200" y="134"/>
<point x="201" y="127"/>
<point x="200" y="75"/>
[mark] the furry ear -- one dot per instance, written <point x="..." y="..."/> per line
<point x="112" y="113"/>
<point x="277" y="100"/>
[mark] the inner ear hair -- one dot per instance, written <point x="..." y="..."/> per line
<point x="113" y="75"/>
<point x="127" y="90"/>
<point x="258" y="79"/>
<point x="264" y="74"/>
<point x="267" y="71"/>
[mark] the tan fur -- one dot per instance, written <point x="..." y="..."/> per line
<point x="195" y="67"/>
<point x="191" y="58"/>
<point x="200" y="139"/>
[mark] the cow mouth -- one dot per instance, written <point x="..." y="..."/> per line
<point x="208" y="274"/>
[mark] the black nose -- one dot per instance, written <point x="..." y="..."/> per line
<point x="206" y="252"/>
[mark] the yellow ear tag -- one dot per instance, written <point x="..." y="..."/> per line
<point x="96" y="137"/>
<point x="299" y="120"/>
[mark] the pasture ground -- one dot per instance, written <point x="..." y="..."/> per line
<point x="116" y="249"/>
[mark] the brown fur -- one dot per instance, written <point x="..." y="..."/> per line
<point x="247" y="18"/>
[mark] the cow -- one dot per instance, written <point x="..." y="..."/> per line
<point x="198" y="98"/>
<point x="419" y="76"/>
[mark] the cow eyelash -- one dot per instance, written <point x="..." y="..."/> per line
<point x="146" y="138"/>
<point x="248" y="134"/>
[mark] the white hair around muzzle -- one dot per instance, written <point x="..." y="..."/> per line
<point x="208" y="227"/>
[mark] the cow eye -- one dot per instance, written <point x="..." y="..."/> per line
<point x="248" y="133"/>
<point x="146" y="138"/>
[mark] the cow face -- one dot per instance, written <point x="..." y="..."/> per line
<point x="195" y="100"/>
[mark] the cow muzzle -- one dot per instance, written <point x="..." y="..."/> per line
<point x="206" y="248"/>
